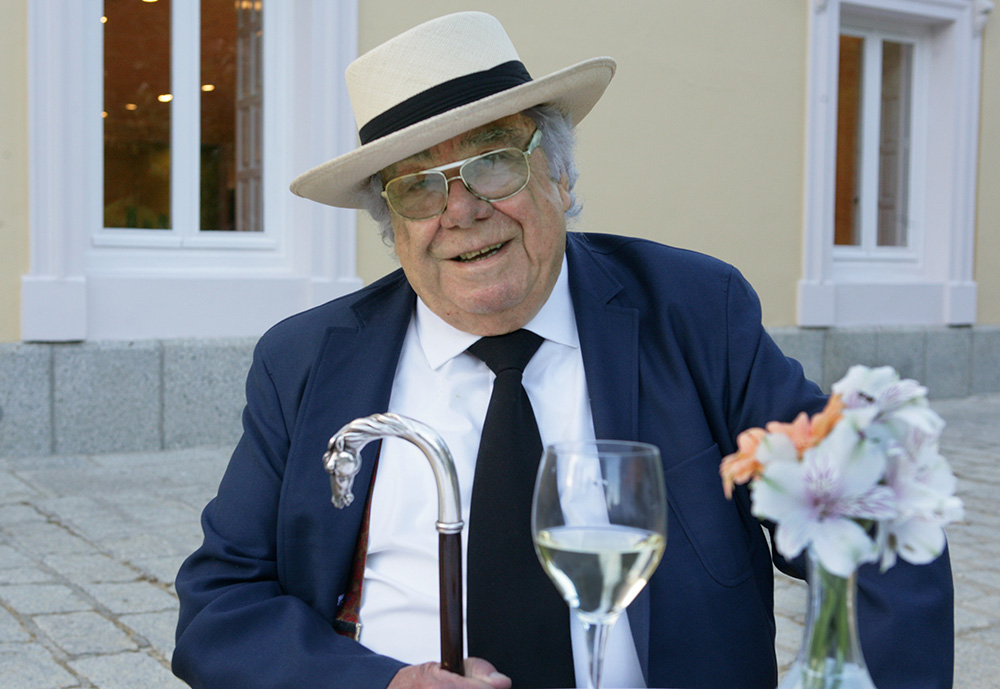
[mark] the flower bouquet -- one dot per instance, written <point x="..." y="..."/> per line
<point x="862" y="481"/>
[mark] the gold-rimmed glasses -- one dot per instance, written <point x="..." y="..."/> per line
<point x="491" y="176"/>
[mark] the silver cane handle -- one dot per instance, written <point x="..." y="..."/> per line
<point x="343" y="461"/>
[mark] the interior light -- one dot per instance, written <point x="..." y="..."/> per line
<point x="104" y="20"/>
<point x="131" y="106"/>
<point x="207" y="87"/>
<point x="165" y="97"/>
<point x="104" y="113"/>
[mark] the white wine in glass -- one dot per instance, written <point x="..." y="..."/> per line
<point x="599" y="521"/>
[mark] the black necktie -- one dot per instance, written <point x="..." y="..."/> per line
<point x="516" y="618"/>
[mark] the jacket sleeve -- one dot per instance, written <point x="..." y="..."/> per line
<point x="906" y="614"/>
<point x="237" y="626"/>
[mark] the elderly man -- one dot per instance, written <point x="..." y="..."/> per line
<point x="467" y="164"/>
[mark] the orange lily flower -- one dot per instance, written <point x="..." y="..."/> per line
<point x="742" y="465"/>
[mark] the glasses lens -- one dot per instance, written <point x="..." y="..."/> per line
<point x="418" y="196"/>
<point x="497" y="175"/>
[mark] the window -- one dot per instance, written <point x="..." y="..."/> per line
<point x="891" y="162"/>
<point x="874" y="103"/>
<point x="140" y="106"/>
<point x="164" y="134"/>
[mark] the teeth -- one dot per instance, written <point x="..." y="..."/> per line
<point x="470" y="255"/>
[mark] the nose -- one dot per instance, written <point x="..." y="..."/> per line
<point x="464" y="207"/>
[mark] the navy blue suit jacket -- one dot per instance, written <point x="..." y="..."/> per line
<point x="675" y="355"/>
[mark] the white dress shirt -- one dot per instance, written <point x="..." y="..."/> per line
<point x="439" y="383"/>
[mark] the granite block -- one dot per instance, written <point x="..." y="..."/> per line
<point x="44" y="539"/>
<point x="31" y="665"/>
<point x="92" y="569"/>
<point x="131" y="597"/>
<point x="25" y="399"/>
<point x="42" y="598"/>
<point x="846" y="347"/>
<point x="11" y="558"/>
<point x="949" y="362"/>
<point x="14" y="488"/>
<point x="84" y="633"/>
<point x="24" y="575"/>
<point x="985" y="359"/>
<point x="107" y="397"/>
<point x="203" y="391"/>
<point x="158" y="628"/>
<point x="904" y="349"/>
<point x="127" y="671"/>
<point x="11" y="629"/>
<point x="976" y="663"/>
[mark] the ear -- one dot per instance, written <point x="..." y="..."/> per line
<point x="564" y="194"/>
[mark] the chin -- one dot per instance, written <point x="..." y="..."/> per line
<point x="490" y="304"/>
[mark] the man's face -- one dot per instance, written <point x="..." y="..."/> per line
<point x="485" y="267"/>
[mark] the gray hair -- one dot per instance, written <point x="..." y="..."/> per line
<point x="558" y="140"/>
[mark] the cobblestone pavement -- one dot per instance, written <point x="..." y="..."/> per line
<point x="89" y="546"/>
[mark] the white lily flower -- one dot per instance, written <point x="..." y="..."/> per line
<point x="820" y="499"/>
<point x="862" y="385"/>
<point x="878" y="467"/>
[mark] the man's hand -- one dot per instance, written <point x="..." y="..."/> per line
<point x="479" y="674"/>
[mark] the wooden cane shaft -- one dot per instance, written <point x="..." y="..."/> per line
<point x="452" y="631"/>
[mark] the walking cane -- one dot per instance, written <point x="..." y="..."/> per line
<point x="343" y="461"/>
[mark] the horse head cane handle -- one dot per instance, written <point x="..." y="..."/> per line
<point x="343" y="461"/>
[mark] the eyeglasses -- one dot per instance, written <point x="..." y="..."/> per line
<point x="492" y="176"/>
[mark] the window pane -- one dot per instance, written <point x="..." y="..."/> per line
<point x="137" y="114"/>
<point x="231" y="108"/>
<point x="894" y="144"/>
<point x="849" y="103"/>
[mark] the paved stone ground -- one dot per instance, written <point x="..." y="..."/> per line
<point x="89" y="546"/>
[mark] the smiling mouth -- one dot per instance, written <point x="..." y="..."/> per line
<point x="480" y="254"/>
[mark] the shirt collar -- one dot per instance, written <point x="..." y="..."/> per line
<point x="555" y="321"/>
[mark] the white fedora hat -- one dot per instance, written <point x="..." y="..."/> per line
<point x="434" y="82"/>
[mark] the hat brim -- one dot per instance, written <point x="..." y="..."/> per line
<point x="340" y="182"/>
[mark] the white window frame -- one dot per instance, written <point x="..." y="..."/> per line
<point x="930" y="283"/>
<point x="86" y="282"/>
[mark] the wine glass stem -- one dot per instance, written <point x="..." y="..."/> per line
<point x="597" y="642"/>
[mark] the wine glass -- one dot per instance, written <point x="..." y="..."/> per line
<point x="599" y="523"/>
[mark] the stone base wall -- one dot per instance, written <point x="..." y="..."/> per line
<point x="951" y="362"/>
<point x="98" y="397"/>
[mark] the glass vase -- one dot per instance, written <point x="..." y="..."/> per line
<point x="830" y="656"/>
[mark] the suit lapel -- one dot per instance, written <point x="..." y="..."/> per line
<point x="351" y="377"/>
<point x="353" y="371"/>
<point x="609" y="342"/>
<point x="358" y="363"/>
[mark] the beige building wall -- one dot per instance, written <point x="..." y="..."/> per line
<point x="13" y="163"/>
<point x="698" y="142"/>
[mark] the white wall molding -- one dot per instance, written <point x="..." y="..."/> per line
<point x="53" y="293"/>
<point x="983" y="9"/>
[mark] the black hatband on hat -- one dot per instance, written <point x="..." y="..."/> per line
<point x="444" y="97"/>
